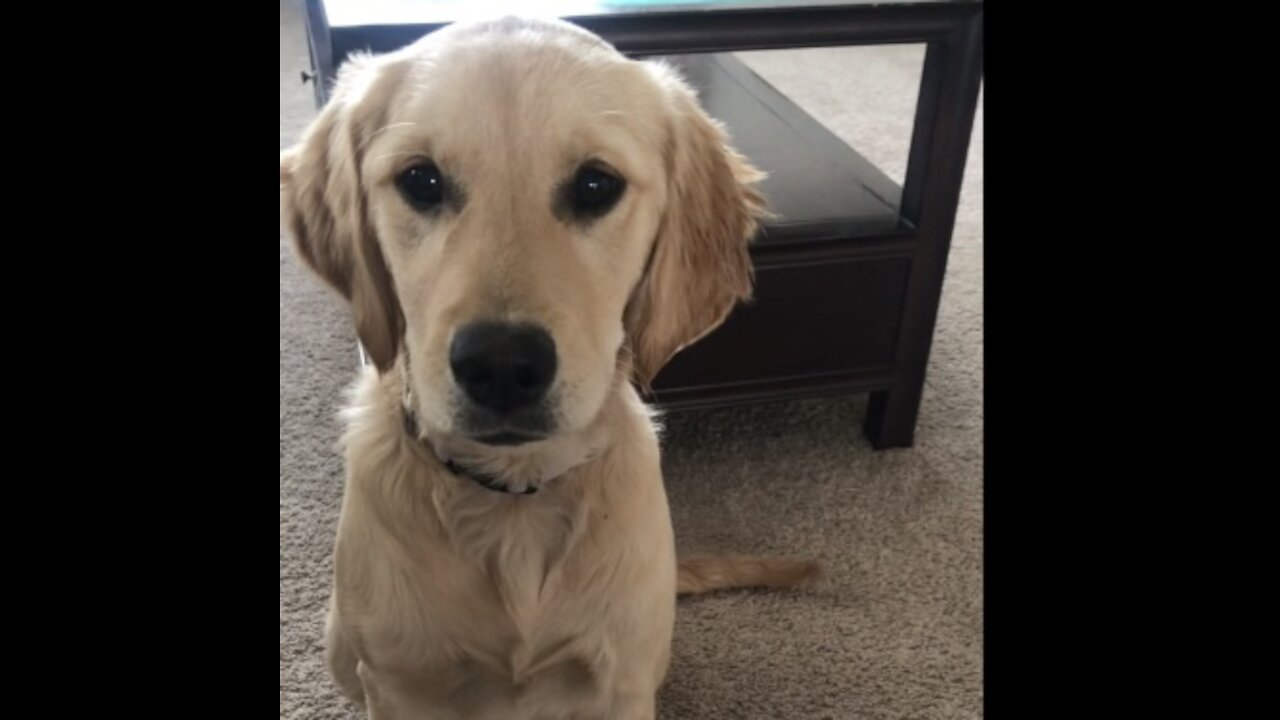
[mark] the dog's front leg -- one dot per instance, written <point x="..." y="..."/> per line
<point x="634" y="707"/>
<point x="341" y="657"/>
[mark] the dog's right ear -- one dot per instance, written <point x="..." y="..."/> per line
<point x="323" y="204"/>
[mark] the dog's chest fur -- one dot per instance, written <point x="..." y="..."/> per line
<point x="499" y="599"/>
<point x="463" y="593"/>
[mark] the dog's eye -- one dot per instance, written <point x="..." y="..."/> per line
<point x="595" y="192"/>
<point x="422" y="186"/>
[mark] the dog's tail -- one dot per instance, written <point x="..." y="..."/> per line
<point x="705" y="573"/>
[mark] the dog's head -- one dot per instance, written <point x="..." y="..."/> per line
<point x="527" y="215"/>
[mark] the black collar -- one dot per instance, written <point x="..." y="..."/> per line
<point x="484" y="480"/>
<point x="488" y="482"/>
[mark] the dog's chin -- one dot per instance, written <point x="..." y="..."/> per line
<point x="509" y="432"/>
<point x="507" y="438"/>
<point x="516" y="436"/>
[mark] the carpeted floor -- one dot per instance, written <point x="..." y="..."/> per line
<point x="894" y="630"/>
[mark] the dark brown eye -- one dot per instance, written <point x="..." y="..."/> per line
<point x="422" y="186"/>
<point x="595" y="192"/>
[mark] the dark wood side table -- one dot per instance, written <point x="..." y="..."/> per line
<point x="849" y="276"/>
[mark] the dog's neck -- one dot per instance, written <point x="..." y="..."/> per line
<point x="483" y="479"/>
<point x="518" y="470"/>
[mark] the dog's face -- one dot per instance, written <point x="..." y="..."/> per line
<point x="527" y="215"/>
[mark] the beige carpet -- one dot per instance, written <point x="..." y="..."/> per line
<point x="895" y="628"/>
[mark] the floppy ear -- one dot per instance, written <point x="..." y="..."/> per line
<point x="323" y="205"/>
<point x="700" y="265"/>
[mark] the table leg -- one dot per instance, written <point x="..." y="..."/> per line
<point x="940" y="143"/>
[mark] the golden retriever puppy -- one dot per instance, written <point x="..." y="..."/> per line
<point x="524" y="222"/>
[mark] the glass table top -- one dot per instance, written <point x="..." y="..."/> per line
<point x="353" y="13"/>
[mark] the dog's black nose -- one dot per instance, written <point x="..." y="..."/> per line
<point x="503" y="367"/>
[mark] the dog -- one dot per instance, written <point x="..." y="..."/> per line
<point x="527" y="225"/>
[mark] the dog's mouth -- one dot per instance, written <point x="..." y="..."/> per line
<point x="523" y="426"/>
<point x="507" y="438"/>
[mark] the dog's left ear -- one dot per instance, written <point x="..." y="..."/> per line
<point x="700" y="265"/>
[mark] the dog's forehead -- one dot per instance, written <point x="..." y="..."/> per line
<point x="525" y="91"/>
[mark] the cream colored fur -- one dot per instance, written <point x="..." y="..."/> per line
<point x="451" y="600"/>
